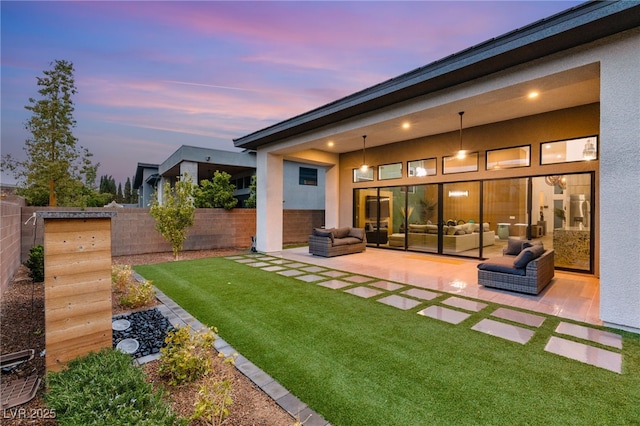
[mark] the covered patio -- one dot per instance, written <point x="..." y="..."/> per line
<point x="570" y="295"/>
<point x="563" y="79"/>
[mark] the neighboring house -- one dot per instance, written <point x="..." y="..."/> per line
<point x="303" y="184"/>
<point x="550" y="127"/>
<point x="145" y="181"/>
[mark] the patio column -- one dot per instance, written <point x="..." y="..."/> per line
<point x="332" y="197"/>
<point x="159" y="192"/>
<point x="619" y="188"/>
<point x="190" y="168"/>
<point x="269" y="174"/>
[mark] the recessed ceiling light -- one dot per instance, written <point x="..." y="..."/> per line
<point x="533" y="95"/>
<point x="406" y="125"/>
<point x="330" y="144"/>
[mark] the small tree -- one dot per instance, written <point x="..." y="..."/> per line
<point x="56" y="170"/>
<point x="217" y="193"/>
<point x="176" y="213"/>
<point x="250" y="202"/>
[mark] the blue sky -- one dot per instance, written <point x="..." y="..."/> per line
<point x="155" y="75"/>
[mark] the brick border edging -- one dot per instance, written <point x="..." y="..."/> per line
<point x="280" y="395"/>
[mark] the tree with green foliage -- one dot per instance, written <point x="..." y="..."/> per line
<point x="56" y="171"/>
<point x="217" y="193"/>
<point x="250" y="202"/>
<point x="119" y="195"/>
<point x="176" y="213"/>
<point x="108" y="185"/>
<point x="127" y="192"/>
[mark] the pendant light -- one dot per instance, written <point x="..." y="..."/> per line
<point x="364" y="167"/>
<point x="589" y="151"/>
<point x="461" y="152"/>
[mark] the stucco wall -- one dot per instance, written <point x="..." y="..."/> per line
<point x="298" y="196"/>
<point x="10" y="221"/>
<point x="619" y="184"/>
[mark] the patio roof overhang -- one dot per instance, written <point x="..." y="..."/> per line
<point x="574" y="27"/>
<point x="208" y="161"/>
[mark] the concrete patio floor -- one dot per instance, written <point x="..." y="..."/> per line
<point x="570" y="295"/>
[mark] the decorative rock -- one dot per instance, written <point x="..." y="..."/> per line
<point x="148" y="327"/>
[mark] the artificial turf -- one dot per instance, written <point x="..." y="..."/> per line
<point x="360" y="362"/>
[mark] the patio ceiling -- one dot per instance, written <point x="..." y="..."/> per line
<point x="579" y="86"/>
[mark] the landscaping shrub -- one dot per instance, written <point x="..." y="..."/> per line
<point x="105" y="388"/>
<point x="214" y="396"/>
<point x="35" y="263"/>
<point x="187" y="355"/>
<point x="130" y="293"/>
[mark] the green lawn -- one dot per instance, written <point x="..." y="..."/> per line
<point x="359" y="362"/>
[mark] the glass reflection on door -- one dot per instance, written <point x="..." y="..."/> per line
<point x="505" y="212"/>
<point x="373" y="208"/>
<point x="461" y="231"/>
<point x="565" y="224"/>
<point x="422" y="218"/>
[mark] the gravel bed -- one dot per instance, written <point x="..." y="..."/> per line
<point x="148" y="327"/>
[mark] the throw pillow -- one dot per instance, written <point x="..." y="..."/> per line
<point x="341" y="232"/>
<point x="357" y="233"/>
<point x="323" y="233"/>
<point x="514" y="246"/>
<point x="523" y="258"/>
<point x="527" y="255"/>
<point x="413" y="227"/>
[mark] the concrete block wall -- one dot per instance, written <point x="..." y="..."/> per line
<point x="133" y="231"/>
<point x="10" y="229"/>
<point x="298" y="224"/>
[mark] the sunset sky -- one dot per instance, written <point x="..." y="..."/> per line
<point x="152" y="76"/>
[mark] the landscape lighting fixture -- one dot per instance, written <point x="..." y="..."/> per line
<point x="461" y="152"/>
<point x="364" y="167"/>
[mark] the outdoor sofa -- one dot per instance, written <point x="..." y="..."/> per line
<point x="525" y="267"/>
<point x="337" y="241"/>
<point x="455" y="239"/>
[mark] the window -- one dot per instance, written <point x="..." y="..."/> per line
<point x="420" y="168"/>
<point x="308" y="176"/>
<point x="582" y="149"/>
<point x="360" y="175"/>
<point x="508" y="158"/>
<point x="390" y="171"/>
<point x="468" y="163"/>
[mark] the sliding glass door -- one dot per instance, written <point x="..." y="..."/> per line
<point x="461" y="213"/>
<point x="374" y="212"/>
<point x="422" y="218"/>
<point x="477" y="218"/>
<point x="564" y="209"/>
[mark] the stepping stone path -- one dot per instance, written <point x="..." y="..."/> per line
<point x="574" y="341"/>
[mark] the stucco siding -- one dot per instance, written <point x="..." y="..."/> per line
<point x="620" y="183"/>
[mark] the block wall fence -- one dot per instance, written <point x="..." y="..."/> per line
<point x="10" y="229"/>
<point x="133" y="231"/>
